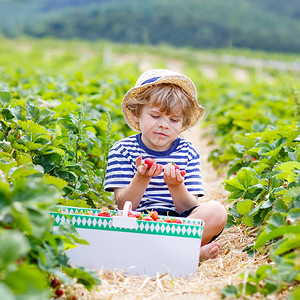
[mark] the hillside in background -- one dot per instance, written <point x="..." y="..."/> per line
<point x="271" y="25"/>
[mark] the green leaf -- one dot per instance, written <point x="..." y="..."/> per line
<point x="250" y="289"/>
<point x="244" y="206"/>
<point x="233" y="185"/>
<point x="267" y="204"/>
<point x="269" y="288"/>
<point x="5" y="292"/>
<point x="41" y="222"/>
<point x="39" y="116"/>
<point x="292" y="243"/>
<point x="49" y="161"/>
<point x="229" y="291"/>
<point x="60" y="183"/>
<point x="34" y="129"/>
<point x="28" y="282"/>
<point x="247" y="177"/>
<point x="277" y="232"/>
<point x="280" y="206"/>
<point x="294" y="213"/>
<point x="69" y="231"/>
<point x="83" y="276"/>
<point x="273" y="153"/>
<point x="13" y="246"/>
<point x="295" y="295"/>
<point x="5" y="97"/>
<point x="287" y="169"/>
<point x="248" y="220"/>
<point x="245" y="140"/>
<point x="277" y="219"/>
<point x="293" y="192"/>
<point x="35" y="191"/>
<point x="23" y="171"/>
<point x="33" y="146"/>
<point x="5" y="166"/>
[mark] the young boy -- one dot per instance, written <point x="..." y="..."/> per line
<point x="163" y="104"/>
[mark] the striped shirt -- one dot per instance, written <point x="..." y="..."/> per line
<point x="121" y="169"/>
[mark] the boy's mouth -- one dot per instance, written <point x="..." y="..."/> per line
<point x="160" y="134"/>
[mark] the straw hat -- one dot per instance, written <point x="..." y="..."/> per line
<point x="158" y="76"/>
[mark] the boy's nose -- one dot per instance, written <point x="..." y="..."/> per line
<point x="163" y="123"/>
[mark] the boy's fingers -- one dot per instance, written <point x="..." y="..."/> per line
<point x="158" y="170"/>
<point x="179" y="177"/>
<point x="138" y="161"/>
<point x="167" y="170"/>
<point x="173" y="172"/>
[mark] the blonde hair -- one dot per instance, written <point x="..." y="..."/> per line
<point x="167" y="97"/>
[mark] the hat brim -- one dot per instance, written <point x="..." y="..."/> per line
<point x="180" y="80"/>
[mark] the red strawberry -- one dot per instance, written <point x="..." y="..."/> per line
<point x="55" y="282"/>
<point x="59" y="292"/>
<point x="133" y="214"/>
<point x="104" y="213"/>
<point x="177" y="221"/>
<point x="149" y="162"/>
<point x="154" y="215"/>
<point x="147" y="218"/>
<point x="182" y="173"/>
<point x="176" y="167"/>
<point x="168" y="220"/>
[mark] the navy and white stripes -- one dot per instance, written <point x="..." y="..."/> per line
<point x="121" y="169"/>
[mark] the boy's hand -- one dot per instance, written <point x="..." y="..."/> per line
<point x="172" y="175"/>
<point x="144" y="170"/>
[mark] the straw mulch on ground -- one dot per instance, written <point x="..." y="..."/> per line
<point x="211" y="276"/>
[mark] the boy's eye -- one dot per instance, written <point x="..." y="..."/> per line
<point x="154" y="116"/>
<point x="174" y="120"/>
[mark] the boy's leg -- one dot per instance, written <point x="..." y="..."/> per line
<point x="214" y="215"/>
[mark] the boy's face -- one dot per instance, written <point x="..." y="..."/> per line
<point x="158" y="129"/>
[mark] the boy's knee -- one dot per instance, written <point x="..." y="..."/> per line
<point x="216" y="213"/>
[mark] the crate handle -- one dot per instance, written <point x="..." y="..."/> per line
<point x="124" y="221"/>
<point x="127" y="207"/>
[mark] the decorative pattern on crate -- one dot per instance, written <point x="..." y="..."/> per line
<point x="192" y="228"/>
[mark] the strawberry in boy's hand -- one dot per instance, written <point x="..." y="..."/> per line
<point x="149" y="162"/>
<point x="182" y="172"/>
<point x="148" y="168"/>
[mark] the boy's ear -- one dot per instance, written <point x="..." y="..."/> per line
<point x="135" y="118"/>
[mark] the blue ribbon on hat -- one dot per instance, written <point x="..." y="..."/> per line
<point x="150" y="80"/>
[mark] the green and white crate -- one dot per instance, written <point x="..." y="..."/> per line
<point x="134" y="246"/>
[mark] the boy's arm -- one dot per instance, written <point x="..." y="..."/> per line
<point x="182" y="198"/>
<point x="135" y="190"/>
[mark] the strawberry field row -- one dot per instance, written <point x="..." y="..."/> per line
<point x="55" y="133"/>
<point x="259" y="137"/>
<point x="59" y="115"/>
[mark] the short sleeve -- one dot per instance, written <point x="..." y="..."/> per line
<point x="120" y="169"/>
<point x="193" y="178"/>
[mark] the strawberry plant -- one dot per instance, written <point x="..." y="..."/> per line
<point x="31" y="251"/>
<point x="48" y="156"/>
<point x="68" y="153"/>
<point x="265" y="192"/>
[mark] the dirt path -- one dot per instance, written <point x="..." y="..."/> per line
<point x="211" y="274"/>
<point x="212" y="179"/>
